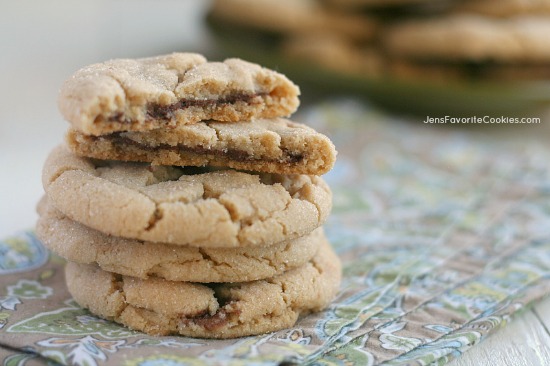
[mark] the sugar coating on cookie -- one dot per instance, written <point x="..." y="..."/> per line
<point x="78" y="243"/>
<point x="471" y="38"/>
<point x="159" y="307"/>
<point x="170" y="90"/>
<point x="221" y="208"/>
<point x="265" y="145"/>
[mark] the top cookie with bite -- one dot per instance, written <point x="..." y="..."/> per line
<point x="171" y="90"/>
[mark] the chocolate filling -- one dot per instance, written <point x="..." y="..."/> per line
<point x="212" y="322"/>
<point x="233" y="154"/>
<point x="157" y="111"/>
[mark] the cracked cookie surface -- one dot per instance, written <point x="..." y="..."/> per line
<point x="160" y="307"/>
<point x="221" y="208"/>
<point x="170" y="90"/>
<point x="267" y="145"/>
<point x="78" y="243"/>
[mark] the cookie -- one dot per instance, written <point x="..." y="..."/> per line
<point x="170" y="90"/>
<point x="187" y="206"/>
<point x="444" y="72"/>
<point x="160" y="307"/>
<point x="290" y="17"/>
<point x="377" y="3"/>
<point x="78" y="243"/>
<point x="504" y="8"/>
<point x="266" y="145"/>
<point x="334" y="53"/>
<point x="471" y="38"/>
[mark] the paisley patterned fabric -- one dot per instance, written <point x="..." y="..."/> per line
<point x="444" y="236"/>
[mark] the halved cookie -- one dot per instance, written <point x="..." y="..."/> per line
<point x="171" y="90"/>
<point x="266" y="145"/>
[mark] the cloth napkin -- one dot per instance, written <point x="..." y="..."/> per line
<point x="443" y="233"/>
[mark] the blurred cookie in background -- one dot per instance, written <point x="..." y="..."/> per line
<point x="439" y="55"/>
<point x="470" y="47"/>
<point x="378" y="4"/>
<point x="453" y="72"/>
<point x="471" y="38"/>
<point x="503" y="8"/>
<point x="333" y="52"/>
<point x="287" y="17"/>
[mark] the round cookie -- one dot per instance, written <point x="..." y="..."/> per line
<point x="471" y="38"/>
<point x="78" y="243"/>
<point x="159" y="307"/>
<point x="222" y="208"/>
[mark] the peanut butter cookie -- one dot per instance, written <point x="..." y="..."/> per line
<point x="160" y="307"/>
<point x="266" y="145"/>
<point x="78" y="243"/>
<point x="171" y="90"/>
<point x="186" y="206"/>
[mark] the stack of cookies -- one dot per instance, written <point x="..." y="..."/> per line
<point x="404" y="39"/>
<point x="183" y="200"/>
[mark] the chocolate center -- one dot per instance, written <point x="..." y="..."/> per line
<point x="157" y="111"/>
<point x="233" y="154"/>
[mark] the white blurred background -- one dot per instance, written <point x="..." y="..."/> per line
<point x="42" y="44"/>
